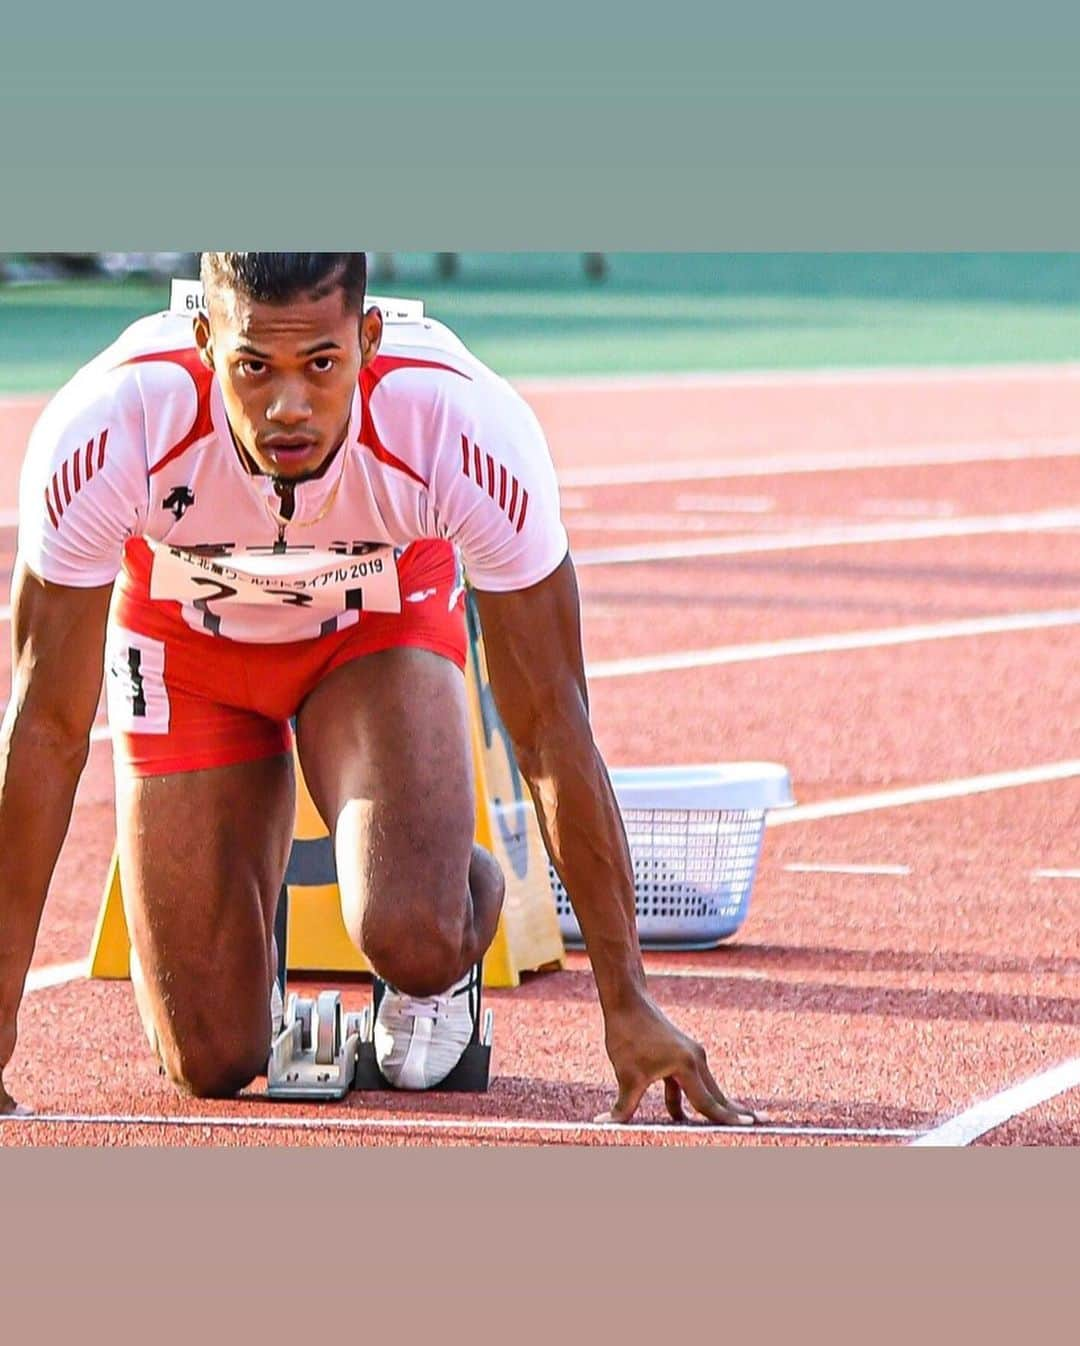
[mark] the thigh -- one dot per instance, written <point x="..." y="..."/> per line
<point x="384" y="744"/>
<point x="179" y="701"/>
<point x="202" y="857"/>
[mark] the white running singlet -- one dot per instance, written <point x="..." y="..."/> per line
<point x="131" y="469"/>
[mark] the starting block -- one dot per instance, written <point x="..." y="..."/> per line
<point x="321" y="1053"/>
<point x="314" y="1055"/>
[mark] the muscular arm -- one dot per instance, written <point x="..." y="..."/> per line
<point x="532" y="640"/>
<point x="58" y="638"/>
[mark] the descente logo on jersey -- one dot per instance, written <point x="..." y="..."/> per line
<point x="178" y="500"/>
<point x="502" y="486"/>
<point x="73" y="476"/>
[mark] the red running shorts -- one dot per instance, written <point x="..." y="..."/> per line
<point x="184" y="700"/>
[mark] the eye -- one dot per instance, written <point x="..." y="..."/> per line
<point x="252" y="367"/>
<point x="322" y="364"/>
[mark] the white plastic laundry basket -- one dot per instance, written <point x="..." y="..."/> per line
<point x="695" y="836"/>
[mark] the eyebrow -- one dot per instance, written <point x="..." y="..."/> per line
<point x="245" y="349"/>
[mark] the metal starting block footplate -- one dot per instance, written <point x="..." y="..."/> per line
<point x="314" y="1055"/>
<point x="321" y="1053"/>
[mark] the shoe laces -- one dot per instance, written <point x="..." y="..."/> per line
<point x="430" y="1006"/>
<point x="424" y="1007"/>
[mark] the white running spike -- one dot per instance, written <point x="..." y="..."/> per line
<point x="420" y="1039"/>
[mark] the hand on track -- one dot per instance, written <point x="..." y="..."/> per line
<point x="645" y="1047"/>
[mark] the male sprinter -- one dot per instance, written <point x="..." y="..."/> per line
<point x="249" y="518"/>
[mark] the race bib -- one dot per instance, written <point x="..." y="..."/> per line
<point x="321" y="583"/>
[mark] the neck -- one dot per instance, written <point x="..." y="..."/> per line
<point x="254" y="470"/>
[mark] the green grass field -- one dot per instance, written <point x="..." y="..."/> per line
<point x="536" y="314"/>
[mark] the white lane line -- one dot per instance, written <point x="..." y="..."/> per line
<point x="924" y="794"/>
<point x="789" y="464"/>
<point x="717" y="525"/>
<point x="832" y="376"/>
<point x="908" y="508"/>
<point x="596" y="521"/>
<point x="56" y="974"/>
<point x="1055" y="873"/>
<point x="848" y="869"/>
<point x="725" y="504"/>
<point x="993" y="1112"/>
<point x="824" y="644"/>
<point x="847" y="536"/>
<point x="477" y="1125"/>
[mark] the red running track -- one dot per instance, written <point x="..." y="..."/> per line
<point x="854" y="1007"/>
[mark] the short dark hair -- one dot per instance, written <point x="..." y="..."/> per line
<point x="277" y="277"/>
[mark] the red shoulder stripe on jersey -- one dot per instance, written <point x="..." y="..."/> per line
<point x="70" y="479"/>
<point x="473" y="465"/>
<point x="203" y="378"/>
<point x="370" y="377"/>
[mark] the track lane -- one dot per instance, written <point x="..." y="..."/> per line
<point x="863" y="1001"/>
<point x="800" y="499"/>
<point x="856" y="721"/>
<point x="842" y="1004"/>
<point x="599" y="427"/>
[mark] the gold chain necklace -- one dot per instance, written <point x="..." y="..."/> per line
<point x="280" y="522"/>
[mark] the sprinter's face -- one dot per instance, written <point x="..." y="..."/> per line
<point x="288" y="373"/>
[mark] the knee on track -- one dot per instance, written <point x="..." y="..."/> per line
<point x="218" y="1070"/>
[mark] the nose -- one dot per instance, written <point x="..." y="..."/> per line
<point x="290" y="405"/>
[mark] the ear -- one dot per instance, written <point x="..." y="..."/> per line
<point x="203" y="341"/>
<point x="371" y="330"/>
